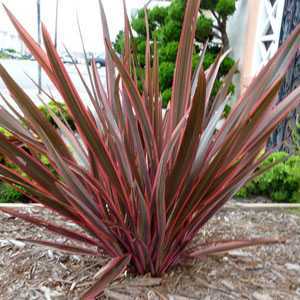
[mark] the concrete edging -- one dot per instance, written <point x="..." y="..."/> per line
<point x="227" y="206"/>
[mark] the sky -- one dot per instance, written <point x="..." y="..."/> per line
<point x="89" y="16"/>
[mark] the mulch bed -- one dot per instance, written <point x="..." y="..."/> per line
<point x="259" y="273"/>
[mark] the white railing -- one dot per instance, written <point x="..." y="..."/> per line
<point x="268" y="31"/>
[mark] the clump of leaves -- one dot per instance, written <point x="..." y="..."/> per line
<point x="281" y="182"/>
<point x="5" y="132"/>
<point x="142" y="184"/>
<point x="60" y="110"/>
<point x="165" y="26"/>
<point x="8" y="194"/>
<point x="295" y="135"/>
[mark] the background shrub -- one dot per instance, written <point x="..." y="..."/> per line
<point x="281" y="183"/>
<point x="165" y="24"/>
<point x="60" y="110"/>
<point x="8" y="194"/>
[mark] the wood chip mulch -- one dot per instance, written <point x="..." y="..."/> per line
<point x="258" y="273"/>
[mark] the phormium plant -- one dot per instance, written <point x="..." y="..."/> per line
<point x="141" y="184"/>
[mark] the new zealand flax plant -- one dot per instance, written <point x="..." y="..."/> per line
<point x="139" y="182"/>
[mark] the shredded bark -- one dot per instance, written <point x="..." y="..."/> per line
<point x="259" y="273"/>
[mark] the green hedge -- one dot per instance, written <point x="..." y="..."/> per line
<point x="281" y="183"/>
<point x="8" y="194"/>
<point x="165" y="26"/>
<point x="60" y="110"/>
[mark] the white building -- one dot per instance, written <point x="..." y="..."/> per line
<point x="254" y="32"/>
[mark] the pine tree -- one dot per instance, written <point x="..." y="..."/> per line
<point x="165" y="23"/>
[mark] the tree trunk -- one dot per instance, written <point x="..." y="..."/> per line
<point x="282" y="135"/>
<point x="225" y="38"/>
<point x="225" y="41"/>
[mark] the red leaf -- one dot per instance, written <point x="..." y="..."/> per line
<point x="107" y="274"/>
